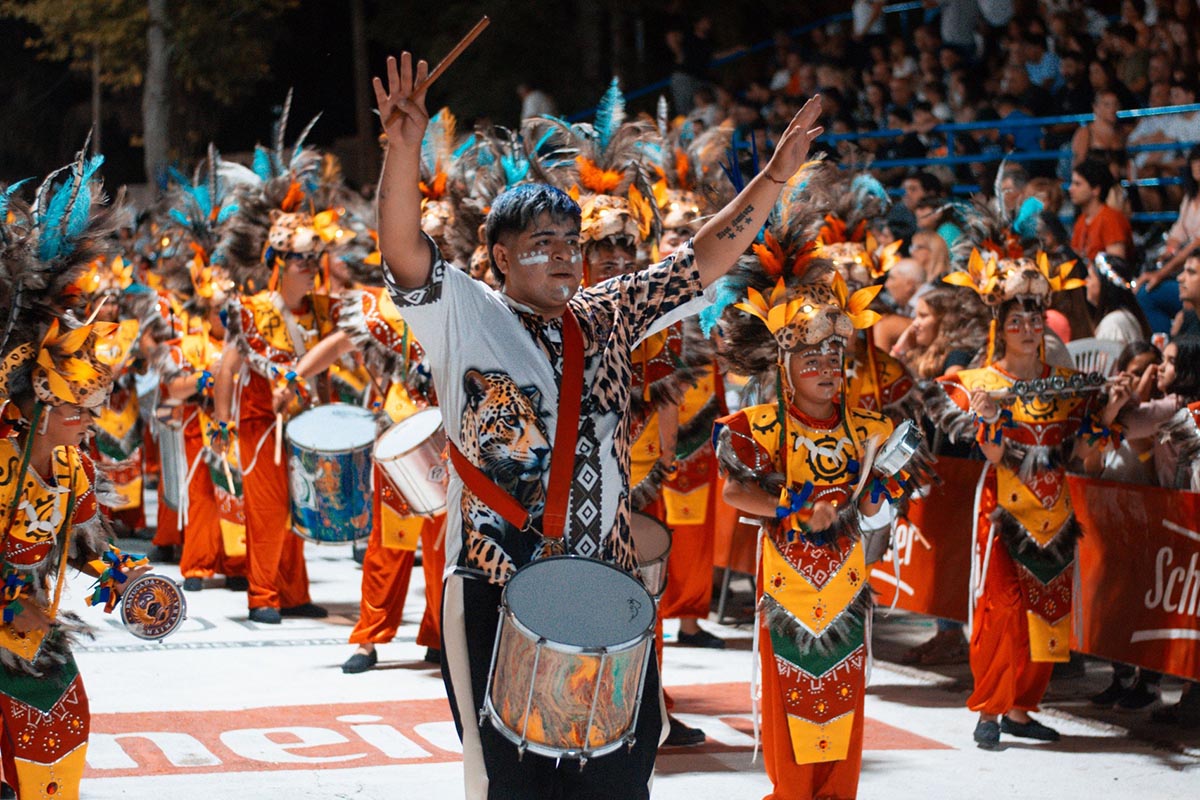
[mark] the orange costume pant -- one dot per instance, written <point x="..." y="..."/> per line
<point x="1005" y="677"/>
<point x="835" y="780"/>
<point x="690" y="567"/>
<point x="276" y="571"/>
<point x="386" y="574"/>
<point x="203" y="548"/>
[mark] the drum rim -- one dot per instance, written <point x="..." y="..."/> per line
<point x="506" y="611"/>
<point x="379" y="439"/>
<point x="292" y="443"/>
<point x="182" y="606"/>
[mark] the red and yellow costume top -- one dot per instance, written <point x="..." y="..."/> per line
<point x="1025" y="501"/>
<point x="815" y="593"/>
<point x="119" y="435"/>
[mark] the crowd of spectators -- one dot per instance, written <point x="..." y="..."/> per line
<point x="963" y="61"/>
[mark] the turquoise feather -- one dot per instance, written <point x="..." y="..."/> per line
<point x="609" y="115"/>
<point x="725" y="296"/>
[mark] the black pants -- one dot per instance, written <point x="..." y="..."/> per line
<point x="624" y="773"/>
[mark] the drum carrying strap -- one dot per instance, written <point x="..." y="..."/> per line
<point x="562" y="459"/>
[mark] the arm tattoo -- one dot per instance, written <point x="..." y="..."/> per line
<point x="737" y="225"/>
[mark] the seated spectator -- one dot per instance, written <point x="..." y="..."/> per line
<point x="905" y="283"/>
<point x="1158" y="292"/>
<point x="1033" y="99"/>
<point x="1186" y="322"/>
<point x="1042" y="64"/>
<point x="1133" y="14"/>
<point x="1132" y="61"/>
<point x="1013" y="180"/>
<point x="934" y="93"/>
<point x="705" y="111"/>
<point x="903" y="64"/>
<point x="1102" y="139"/>
<point x="1152" y="164"/>
<point x="1114" y="308"/>
<point x="534" y="101"/>
<point x="1022" y="139"/>
<point x="1074" y="96"/>
<point x="1102" y="76"/>
<point x="1099" y="228"/>
<point x="1048" y="191"/>
<point x="932" y="255"/>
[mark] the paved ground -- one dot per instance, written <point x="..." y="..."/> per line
<point x="265" y="711"/>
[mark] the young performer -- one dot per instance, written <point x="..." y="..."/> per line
<point x="497" y="358"/>
<point x="277" y="240"/>
<point x="1025" y="530"/>
<point x="51" y="379"/>
<point x="804" y="463"/>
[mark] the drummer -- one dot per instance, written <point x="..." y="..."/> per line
<point x="271" y="330"/>
<point x="369" y="324"/>
<point x="497" y="358"/>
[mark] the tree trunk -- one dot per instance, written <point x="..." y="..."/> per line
<point x="155" y="93"/>
<point x="367" y="159"/>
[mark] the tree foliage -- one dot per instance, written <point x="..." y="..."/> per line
<point x="218" y="47"/>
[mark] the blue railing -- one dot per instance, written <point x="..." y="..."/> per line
<point x="737" y="55"/>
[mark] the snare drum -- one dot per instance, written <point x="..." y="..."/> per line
<point x="652" y="540"/>
<point x="172" y="456"/>
<point x="329" y="468"/>
<point x="411" y="455"/>
<point x="152" y="607"/>
<point x="569" y="685"/>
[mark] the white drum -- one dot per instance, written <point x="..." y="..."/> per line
<point x="412" y="454"/>
<point x="652" y="540"/>
<point x="172" y="458"/>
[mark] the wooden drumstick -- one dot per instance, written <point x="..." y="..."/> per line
<point x="445" y="63"/>
<point x="278" y="437"/>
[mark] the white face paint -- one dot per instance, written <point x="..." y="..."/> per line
<point x="533" y="258"/>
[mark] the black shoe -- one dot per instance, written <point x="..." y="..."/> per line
<point x="193" y="584"/>
<point x="701" y="638"/>
<point x="306" y="610"/>
<point x="237" y="583"/>
<point x="163" y="554"/>
<point x="360" y="662"/>
<point x="1115" y="691"/>
<point x="987" y="735"/>
<point x="433" y="655"/>
<point x="6" y="792"/>
<point x="1138" y="697"/>
<point x="681" y="735"/>
<point x="265" y="615"/>
<point x="1029" y="730"/>
<point x="143" y="534"/>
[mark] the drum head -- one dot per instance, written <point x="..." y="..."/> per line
<point x="332" y="428"/>
<point x="579" y="602"/>
<point x="408" y="433"/>
<point x="651" y="538"/>
<point x="152" y="607"/>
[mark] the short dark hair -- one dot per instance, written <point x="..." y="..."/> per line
<point x="1096" y="174"/>
<point x="517" y="208"/>
<point x="929" y="182"/>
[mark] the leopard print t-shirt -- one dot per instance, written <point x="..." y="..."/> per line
<point x="497" y="369"/>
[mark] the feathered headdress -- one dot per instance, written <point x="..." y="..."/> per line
<point x="280" y="211"/>
<point x="847" y="205"/>
<point x="689" y="181"/>
<point x="603" y="159"/>
<point x="44" y="250"/>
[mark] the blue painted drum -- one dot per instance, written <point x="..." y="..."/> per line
<point x="329" y="468"/>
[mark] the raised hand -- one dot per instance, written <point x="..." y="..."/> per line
<point x="792" y="150"/>
<point x="401" y="109"/>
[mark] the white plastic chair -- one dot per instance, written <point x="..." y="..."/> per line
<point x="1095" y="355"/>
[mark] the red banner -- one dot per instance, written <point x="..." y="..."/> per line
<point x="931" y="545"/>
<point x="1139" y="566"/>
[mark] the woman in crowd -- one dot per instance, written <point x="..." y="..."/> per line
<point x="930" y="252"/>
<point x="947" y="334"/>
<point x="1114" y="308"/>
<point x="1103" y="139"/>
